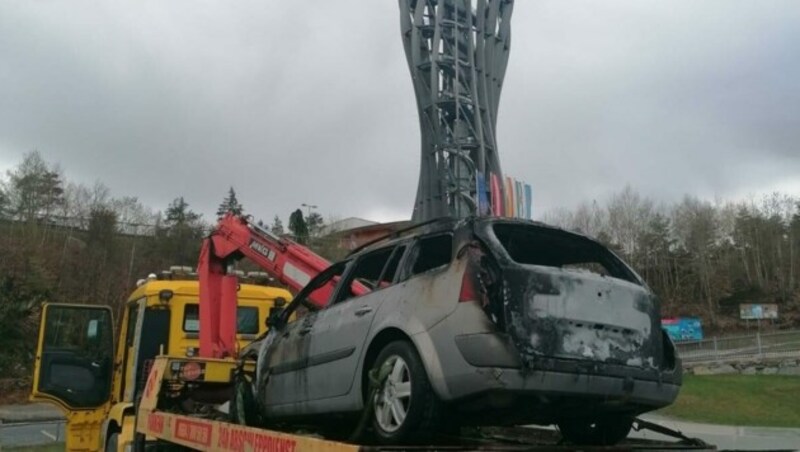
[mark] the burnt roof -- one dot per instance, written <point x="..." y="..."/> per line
<point x="448" y="224"/>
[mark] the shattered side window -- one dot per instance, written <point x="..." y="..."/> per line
<point x="318" y="293"/>
<point x="433" y="252"/>
<point x="551" y="248"/>
<point x="367" y="273"/>
<point x="391" y="267"/>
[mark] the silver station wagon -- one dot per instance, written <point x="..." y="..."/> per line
<point x="483" y="321"/>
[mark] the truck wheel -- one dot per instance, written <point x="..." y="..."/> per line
<point x="139" y="442"/>
<point x="112" y="442"/>
<point x="596" y="432"/>
<point x="405" y="407"/>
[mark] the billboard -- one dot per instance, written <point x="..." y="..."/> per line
<point x="683" y="328"/>
<point x="758" y="311"/>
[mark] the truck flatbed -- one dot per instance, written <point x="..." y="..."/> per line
<point x="205" y="434"/>
<point x="202" y="433"/>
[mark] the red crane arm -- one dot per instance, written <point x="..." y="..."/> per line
<point x="287" y="261"/>
<point x="232" y="239"/>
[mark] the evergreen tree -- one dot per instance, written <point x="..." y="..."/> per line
<point x="179" y="240"/>
<point x="178" y="214"/>
<point x="230" y="204"/>
<point x="298" y="226"/>
<point x="102" y="228"/>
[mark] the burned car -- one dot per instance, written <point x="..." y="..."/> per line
<point x="483" y="321"/>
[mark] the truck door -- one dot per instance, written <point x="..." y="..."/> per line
<point x="74" y="368"/>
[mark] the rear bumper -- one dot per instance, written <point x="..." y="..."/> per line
<point x="493" y="364"/>
<point x="618" y="393"/>
<point x="468" y="362"/>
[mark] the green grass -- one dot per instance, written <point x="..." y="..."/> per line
<point x="747" y="400"/>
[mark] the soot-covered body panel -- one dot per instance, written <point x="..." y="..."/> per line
<point x="584" y="317"/>
<point x="570" y="304"/>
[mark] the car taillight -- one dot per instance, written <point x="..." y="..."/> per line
<point x="468" y="290"/>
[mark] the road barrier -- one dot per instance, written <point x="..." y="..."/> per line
<point x="753" y="347"/>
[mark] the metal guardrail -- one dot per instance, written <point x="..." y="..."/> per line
<point x="753" y="347"/>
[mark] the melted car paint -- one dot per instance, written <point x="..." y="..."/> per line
<point x="580" y="316"/>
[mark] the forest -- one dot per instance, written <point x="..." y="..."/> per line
<point x="63" y="241"/>
<point x="703" y="258"/>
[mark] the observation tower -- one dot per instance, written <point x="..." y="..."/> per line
<point x="457" y="52"/>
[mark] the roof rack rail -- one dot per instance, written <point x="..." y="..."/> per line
<point x="397" y="233"/>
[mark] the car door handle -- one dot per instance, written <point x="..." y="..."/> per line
<point x="362" y="311"/>
<point x="304" y="331"/>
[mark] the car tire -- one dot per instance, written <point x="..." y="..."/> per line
<point x="406" y="410"/>
<point x="243" y="409"/>
<point x="112" y="442"/>
<point x="607" y="431"/>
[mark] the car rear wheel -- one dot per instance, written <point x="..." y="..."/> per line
<point x="405" y="407"/>
<point x="596" y="432"/>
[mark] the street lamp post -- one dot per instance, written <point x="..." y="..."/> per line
<point x="308" y="208"/>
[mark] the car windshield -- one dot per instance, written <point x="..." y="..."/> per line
<point x="527" y="244"/>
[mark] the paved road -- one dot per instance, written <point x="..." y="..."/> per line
<point x="31" y="433"/>
<point x="728" y="437"/>
<point x="30" y="412"/>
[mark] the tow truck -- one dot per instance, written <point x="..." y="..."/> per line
<point x="209" y="316"/>
<point x="76" y="367"/>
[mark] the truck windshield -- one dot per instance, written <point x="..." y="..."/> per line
<point x="246" y="319"/>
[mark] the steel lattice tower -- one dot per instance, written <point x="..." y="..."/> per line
<point x="457" y="51"/>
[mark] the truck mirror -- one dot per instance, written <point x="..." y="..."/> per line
<point x="274" y="318"/>
<point x="91" y="329"/>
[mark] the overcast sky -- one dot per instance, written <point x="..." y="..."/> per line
<point x="311" y="101"/>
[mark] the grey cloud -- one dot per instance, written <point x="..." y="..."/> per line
<point x="294" y="102"/>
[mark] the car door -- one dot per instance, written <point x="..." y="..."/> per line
<point x="285" y="381"/>
<point x="339" y="332"/>
<point x="74" y="367"/>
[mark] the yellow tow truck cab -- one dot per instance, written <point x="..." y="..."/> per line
<point x="77" y="369"/>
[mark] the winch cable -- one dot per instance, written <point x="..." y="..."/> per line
<point x="640" y="424"/>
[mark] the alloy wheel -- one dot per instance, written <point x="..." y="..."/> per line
<point x="394" y="397"/>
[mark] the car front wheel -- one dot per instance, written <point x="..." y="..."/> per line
<point x="405" y="407"/>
